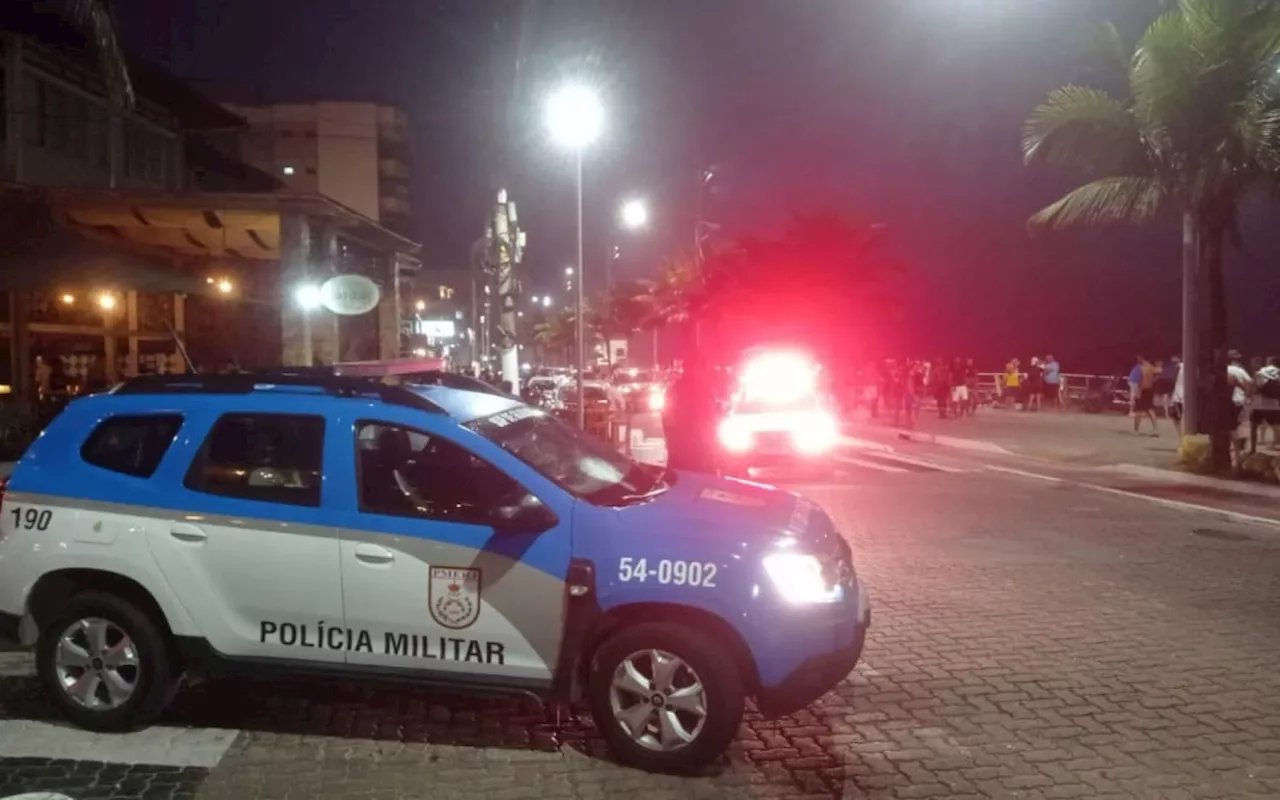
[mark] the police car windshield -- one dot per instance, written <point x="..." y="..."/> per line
<point x="576" y="461"/>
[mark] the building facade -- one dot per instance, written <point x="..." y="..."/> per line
<point x="355" y="153"/>
<point x="135" y="240"/>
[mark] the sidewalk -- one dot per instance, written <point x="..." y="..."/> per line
<point x="1070" y="437"/>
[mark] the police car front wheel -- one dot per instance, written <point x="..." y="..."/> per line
<point x="665" y="698"/>
<point x="104" y="663"/>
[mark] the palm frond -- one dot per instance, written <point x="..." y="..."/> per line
<point x="1084" y="128"/>
<point x="97" y="19"/>
<point x="1113" y="199"/>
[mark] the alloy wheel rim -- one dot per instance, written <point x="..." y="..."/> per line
<point x="97" y="664"/>
<point x="658" y="700"/>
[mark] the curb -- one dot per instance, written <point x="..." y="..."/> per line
<point x="865" y="444"/>
<point x="1175" y="476"/>
<point x="953" y="441"/>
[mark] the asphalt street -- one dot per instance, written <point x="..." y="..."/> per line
<point x="1034" y="636"/>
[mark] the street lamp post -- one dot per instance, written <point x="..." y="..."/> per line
<point x="575" y="118"/>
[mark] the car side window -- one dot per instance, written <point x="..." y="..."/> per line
<point x="404" y="472"/>
<point x="131" y="445"/>
<point x="275" y="458"/>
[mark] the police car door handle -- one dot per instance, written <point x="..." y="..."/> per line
<point x="373" y="554"/>
<point x="187" y="533"/>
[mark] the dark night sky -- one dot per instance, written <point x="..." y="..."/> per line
<point x="903" y="111"/>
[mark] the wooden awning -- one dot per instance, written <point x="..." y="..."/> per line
<point x="212" y="224"/>
<point x="38" y="253"/>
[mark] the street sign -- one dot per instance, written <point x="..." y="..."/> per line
<point x="350" y="295"/>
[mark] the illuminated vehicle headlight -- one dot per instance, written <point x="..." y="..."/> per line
<point x="799" y="578"/>
<point x="734" y="435"/>
<point x="815" y="433"/>
<point x="657" y="400"/>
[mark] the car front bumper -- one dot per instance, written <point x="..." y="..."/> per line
<point x="820" y="673"/>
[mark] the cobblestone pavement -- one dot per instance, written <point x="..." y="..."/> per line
<point x="1031" y="640"/>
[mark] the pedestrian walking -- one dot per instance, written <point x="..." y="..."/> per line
<point x="690" y="417"/>
<point x="1144" y="402"/>
<point x="1012" y="391"/>
<point x="940" y="376"/>
<point x="1052" y="381"/>
<point x="1035" y="385"/>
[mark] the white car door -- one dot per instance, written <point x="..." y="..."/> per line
<point x="426" y="575"/>
<point x="252" y="557"/>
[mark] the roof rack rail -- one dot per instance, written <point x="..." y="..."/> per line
<point x="248" y="382"/>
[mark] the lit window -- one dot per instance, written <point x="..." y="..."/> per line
<point x="287" y="170"/>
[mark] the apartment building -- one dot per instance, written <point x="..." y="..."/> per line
<point x="355" y="153"/>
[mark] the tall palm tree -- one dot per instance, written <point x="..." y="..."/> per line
<point x="1198" y="130"/>
<point x="97" y="19"/>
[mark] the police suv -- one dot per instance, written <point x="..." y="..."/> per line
<point x="190" y="525"/>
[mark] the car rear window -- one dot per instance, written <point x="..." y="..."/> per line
<point x="131" y="445"/>
<point x="275" y="458"/>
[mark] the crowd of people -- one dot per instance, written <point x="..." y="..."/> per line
<point x="899" y="386"/>
<point x="1255" y="389"/>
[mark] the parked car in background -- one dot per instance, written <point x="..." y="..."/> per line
<point x="643" y="390"/>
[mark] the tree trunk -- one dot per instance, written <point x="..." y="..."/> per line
<point x="1222" y="413"/>
<point x="1192" y="397"/>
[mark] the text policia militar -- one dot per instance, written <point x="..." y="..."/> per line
<point x="413" y="645"/>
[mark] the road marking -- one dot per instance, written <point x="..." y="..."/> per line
<point x="1025" y="474"/>
<point x="865" y="444"/>
<point x="161" y="746"/>
<point x="918" y="462"/>
<point x="868" y="464"/>
<point x="1181" y="505"/>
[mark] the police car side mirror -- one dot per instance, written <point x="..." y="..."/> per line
<point x="523" y="514"/>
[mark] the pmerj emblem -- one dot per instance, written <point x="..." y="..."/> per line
<point x="454" y="595"/>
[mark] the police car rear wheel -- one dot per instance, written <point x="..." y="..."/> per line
<point x="104" y="663"/>
<point x="664" y="697"/>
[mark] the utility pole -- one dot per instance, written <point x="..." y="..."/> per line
<point x="506" y="250"/>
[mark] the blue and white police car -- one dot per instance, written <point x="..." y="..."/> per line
<point x="191" y="525"/>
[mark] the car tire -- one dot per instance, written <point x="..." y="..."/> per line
<point x="723" y="696"/>
<point x="153" y="684"/>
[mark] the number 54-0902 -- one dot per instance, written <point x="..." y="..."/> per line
<point x="670" y="572"/>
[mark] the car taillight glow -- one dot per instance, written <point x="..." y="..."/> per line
<point x="814" y="433"/>
<point x="734" y="435"/>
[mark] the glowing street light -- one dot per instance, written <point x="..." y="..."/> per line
<point x="546" y="301"/>
<point x="225" y="286"/>
<point x="107" y="301"/>
<point x="308" y="296"/>
<point x="568" y="270"/>
<point x="634" y="214"/>
<point x="575" y="116"/>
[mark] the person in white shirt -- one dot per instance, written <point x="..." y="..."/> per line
<point x="1175" y="404"/>
<point x="1241" y="384"/>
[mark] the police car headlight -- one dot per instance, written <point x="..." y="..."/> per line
<point x="800" y="579"/>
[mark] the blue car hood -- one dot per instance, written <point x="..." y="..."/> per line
<point x="698" y="505"/>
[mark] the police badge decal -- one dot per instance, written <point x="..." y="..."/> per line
<point x="454" y="596"/>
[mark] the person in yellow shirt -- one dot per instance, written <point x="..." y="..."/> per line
<point x="1012" y="382"/>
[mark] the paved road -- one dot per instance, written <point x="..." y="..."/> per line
<point x="1032" y="640"/>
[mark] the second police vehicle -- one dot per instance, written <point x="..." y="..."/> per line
<point x="193" y="525"/>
